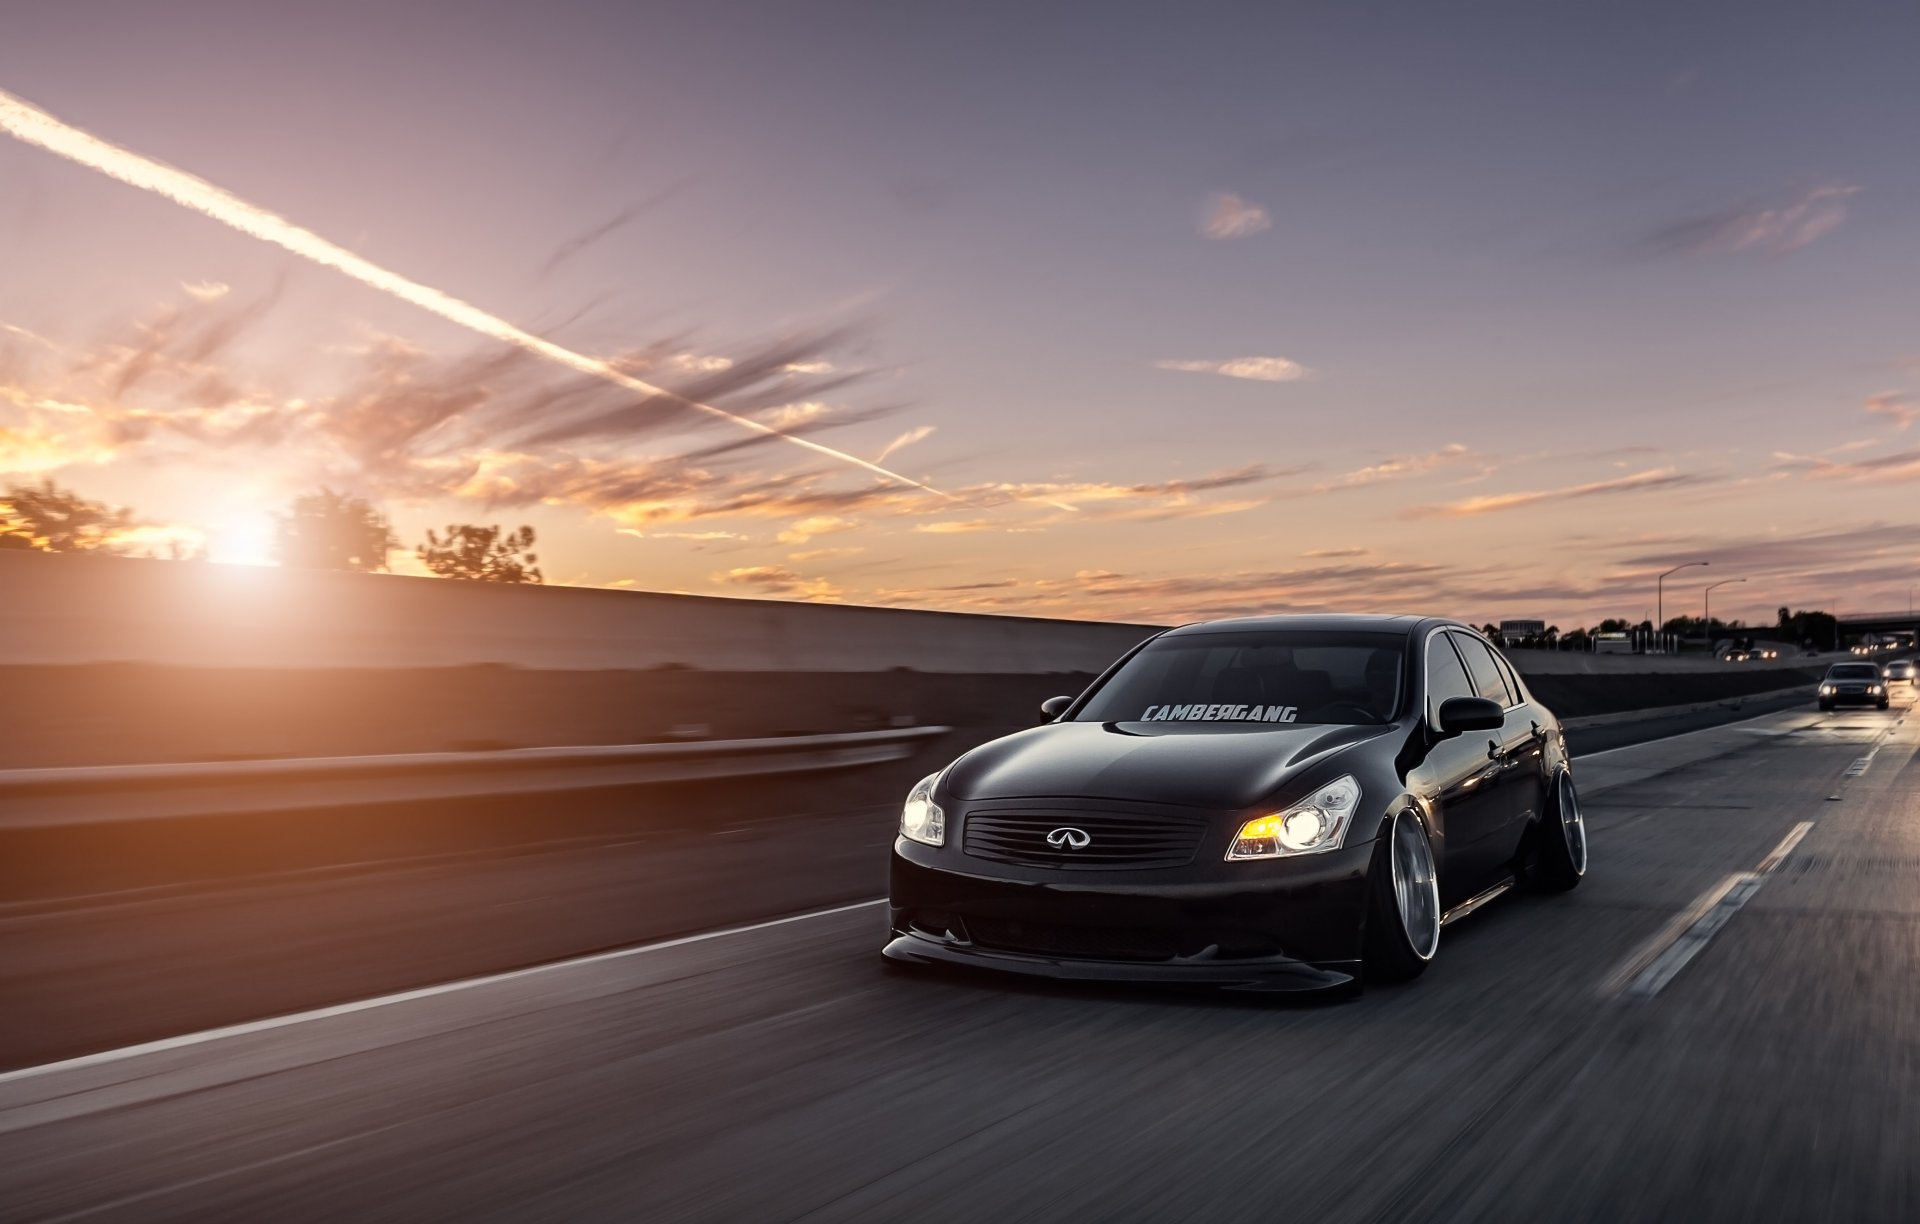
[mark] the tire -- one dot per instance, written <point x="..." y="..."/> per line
<point x="1559" y="859"/>
<point x="1403" y="902"/>
<point x="1826" y="707"/>
<point x="1883" y="705"/>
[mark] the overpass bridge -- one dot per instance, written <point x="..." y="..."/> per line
<point x="1880" y="622"/>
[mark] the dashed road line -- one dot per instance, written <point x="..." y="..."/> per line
<point x="1661" y="958"/>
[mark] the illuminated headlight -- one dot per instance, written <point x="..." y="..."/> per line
<point x="1826" y="688"/>
<point x="921" y="819"/>
<point x="1873" y="688"/>
<point x="1311" y="826"/>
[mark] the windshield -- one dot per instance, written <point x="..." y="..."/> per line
<point x="1853" y="671"/>
<point x="1256" y="677"/>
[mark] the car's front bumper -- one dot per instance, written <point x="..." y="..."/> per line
<point x="1292" y="924"/>
<point x="1859" y="698"/>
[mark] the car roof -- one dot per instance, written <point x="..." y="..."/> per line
<point x="1314" y="622"/>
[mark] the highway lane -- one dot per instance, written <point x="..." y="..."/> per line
<point x="127" y="965"/>
<point x="778" y="1074"/>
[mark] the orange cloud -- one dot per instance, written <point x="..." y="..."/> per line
<point x="1639" y="482"/>
<point x="780" y="582"/>
<point x="1900" y="408"/>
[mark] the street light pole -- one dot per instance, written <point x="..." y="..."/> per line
<point x="1706" y="610"/>
<point x="1660" y="598"/>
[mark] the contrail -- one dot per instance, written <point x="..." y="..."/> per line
<point x="26" y="122"/>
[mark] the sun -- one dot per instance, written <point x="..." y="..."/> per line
<point x="243" y="539"/>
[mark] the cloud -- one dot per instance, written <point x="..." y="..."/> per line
<point x="1655" y="478"/>
<point x="1774" y="230"/>
<point x="626" y="216"/>
<point x="700" y="363"/>
<point x="1900" y="408"/>
<point x="780" y="582"/>
<point x="824" y="554"/>
<point x="919" y="433"/>
<point x="1259" y="369"/>
<point x="33" y="126"/>
<point x="956" y="526"/>
<point x="1227" y="216"/>
<point x="33" y="448"/>
<point x="698" y="537"/>
<point x="1900" y="467"/>
<point x="1332" y="553"/>
<point x="1401" y="466"/>
<point x="205" y="291"/>
<point x="815" y="525"/>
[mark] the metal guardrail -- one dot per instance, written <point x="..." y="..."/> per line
<point x="56" y="797"/>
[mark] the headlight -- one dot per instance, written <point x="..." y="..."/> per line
<point x="1873" y="688"/>
<point x="921" y="819"/>
<point x="1826" y="688"/>
<point x="1311" y="826"/>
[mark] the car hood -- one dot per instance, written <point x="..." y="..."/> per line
<point x="1205" y="767"/>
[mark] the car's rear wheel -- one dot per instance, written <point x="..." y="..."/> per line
<point x="1403" y="922"/>
<point x="1559" y="858"/>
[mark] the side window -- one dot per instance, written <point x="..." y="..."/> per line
<point x="1445" y="676"/>
<point x="1484" y="668"/>
<point x="1512" y="678"/>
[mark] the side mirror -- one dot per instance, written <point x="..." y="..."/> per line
<point x="1462" y="714"/>
<point x="1054" y="707"/>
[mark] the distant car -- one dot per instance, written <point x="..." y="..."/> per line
<point x="1274" y="803"/>
<point x="1900" y="671"/>
<point x="1853" y="684"/>
<point x="1763" y="652"/>
<point x="1738" y="656"/>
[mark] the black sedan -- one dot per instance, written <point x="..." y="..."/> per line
<point x="1853" y="684"/>
<point x="1274" y="803"/>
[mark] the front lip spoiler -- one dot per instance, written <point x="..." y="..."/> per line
<point x="1275" y="973"/>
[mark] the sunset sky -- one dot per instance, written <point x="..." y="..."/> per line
<point x="1131" y="312"/>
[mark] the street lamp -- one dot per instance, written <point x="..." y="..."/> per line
<point x="1706" y="611"/>
<point x="1660" y="597"/>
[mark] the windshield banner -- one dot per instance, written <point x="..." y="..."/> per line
<point x="1220" y="713"/>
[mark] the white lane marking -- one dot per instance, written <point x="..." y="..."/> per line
<point x="1860" y="766"/>
<point x="1661" y="958"/>
<point x="1781" y="851"/>
<point x="1664" y="938"/>
<point x="407" y="996"/>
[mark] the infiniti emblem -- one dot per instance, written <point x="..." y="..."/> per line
<point x="1068" y="839"/>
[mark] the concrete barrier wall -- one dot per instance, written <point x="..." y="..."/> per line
<point x="78" y="609"/>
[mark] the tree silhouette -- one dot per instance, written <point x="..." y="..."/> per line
<point x="481" y="554"/>
<point x="328" y="530"/>
<point x="51" y="519"/>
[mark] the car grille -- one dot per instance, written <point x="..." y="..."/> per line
<point x="1120" y="837"/>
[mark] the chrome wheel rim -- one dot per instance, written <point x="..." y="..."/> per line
<point x="1573" y="825"/>
<point x="1416" y="891"/>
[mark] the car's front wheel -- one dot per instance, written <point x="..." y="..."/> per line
<point x="1403" y="919"/>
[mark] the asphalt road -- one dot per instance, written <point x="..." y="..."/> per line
<point x="1558" y="1061"/>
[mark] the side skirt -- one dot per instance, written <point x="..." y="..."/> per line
<point x="1475" y="902"/>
